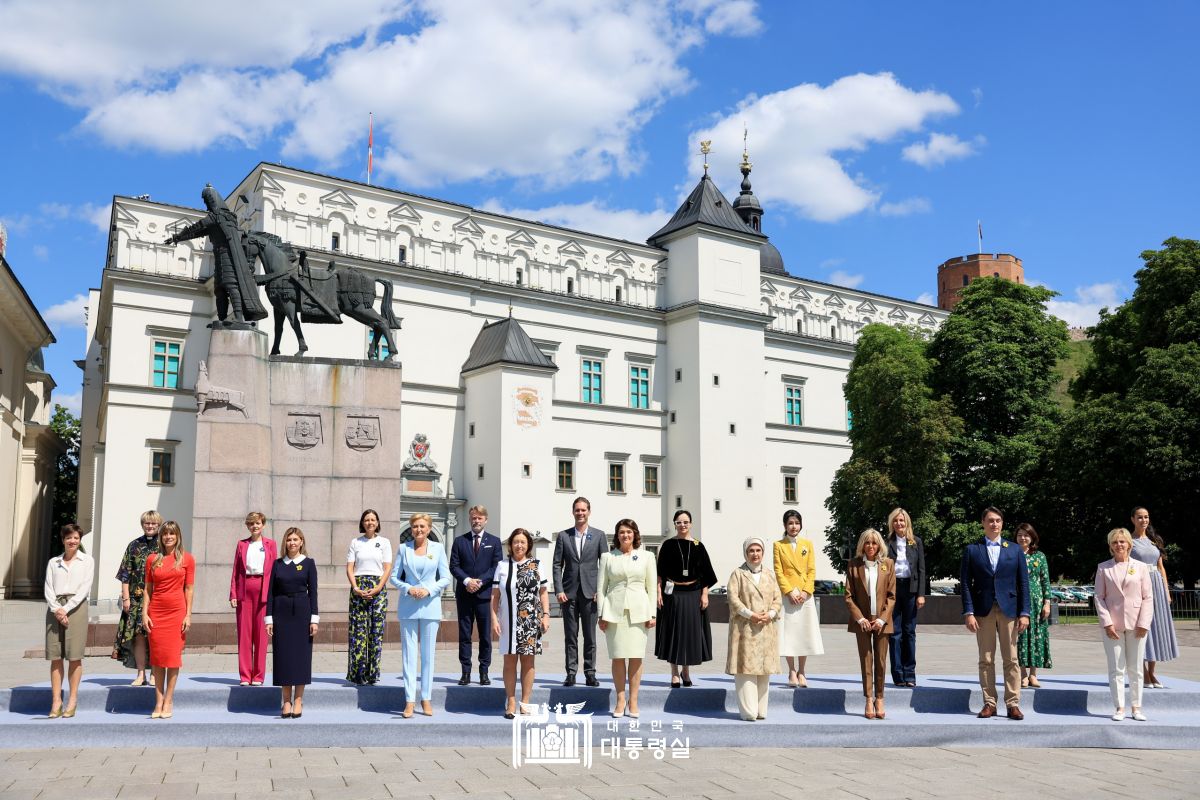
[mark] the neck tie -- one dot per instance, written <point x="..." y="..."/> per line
<point x="477" y="544"/>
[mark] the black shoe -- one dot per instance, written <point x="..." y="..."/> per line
<point x="569" y="680"/>
<point x="465" y="680"/>
<point x="591" y="679"/>
<point x="484" y="680"/>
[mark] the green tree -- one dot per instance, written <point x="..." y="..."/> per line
<point x="900" y="439"/>
<point x="66" y="481"/>
<point x="1133" y="437"/>
<point x="995" y="361"/>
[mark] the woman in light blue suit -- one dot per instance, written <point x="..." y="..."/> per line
<point x="421" y="574"/>
<point x="626" y="594"/>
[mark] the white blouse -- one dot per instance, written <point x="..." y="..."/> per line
<point x="72" y="577"/>
<point x="872" y="574"/>
<point x="369" y="555"/>
<point x="256" y="557"/>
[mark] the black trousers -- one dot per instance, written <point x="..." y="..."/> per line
<point x="578" y="611"/>
<point x="903" y="650"/>
<point x="474" y="612"/>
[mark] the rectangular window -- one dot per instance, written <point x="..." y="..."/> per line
<point x="566" y="475"/>
<point x="789" y="488"/>
<point x="678" y="375"/>
<point x="849" y="418"/>
<point x="717" y="381"/>
<point x="639" y="387"/>
<point x="794" y="405"/>
<point x="570" y="286"/>
<point x="732" y="429"/>
<point x="471" y="430"/>
<point x="617" y="294"/>
<point x="403" y="255"/>
<point x="481" y="472"/>
<point x="520" y="277"/>
<point x="749" y="483"/>
<point x="650" y="480"/>
<point x="165" y="364"/>
<point x="616" y="479"/>
<point x="162" y="467"/>
<point x="527" y="470"/>
<point x="335" y="242"/>
<point x="678" y="501"/>
<point x="672" y="417"/>
<point x="592" y="383"/>
<point x="716" y="505"/>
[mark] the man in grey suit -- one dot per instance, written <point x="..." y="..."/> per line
<point x="576" y="571"/>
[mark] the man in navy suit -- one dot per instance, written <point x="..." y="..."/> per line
<point x="576" y="574"/>
<point x="995" y="596"/>
<point x="473" y="561"/>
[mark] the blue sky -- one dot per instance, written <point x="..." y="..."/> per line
<point x="880" y="132"/>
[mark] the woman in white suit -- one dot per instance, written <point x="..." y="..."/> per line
<point x="625" y="594"/>
<point x="421" y="574"/>
<point x="1125" y="604"/>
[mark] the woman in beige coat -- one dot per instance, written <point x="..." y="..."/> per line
<point x="754" y="606"/>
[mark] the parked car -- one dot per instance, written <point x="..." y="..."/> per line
<point x="827" y="587"/>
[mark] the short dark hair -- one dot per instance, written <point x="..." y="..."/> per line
<point x="791" y="512"/>
<point x="637" y="535"/>
<point x="70" y="527"/>
<point x="1025" y="527"/>
<point x="991" y="510"/>
<point x="363" y="517"/>
<point x="581" y="499"/>
<point x="520" y="532"/>
<point x="680" y="513"/>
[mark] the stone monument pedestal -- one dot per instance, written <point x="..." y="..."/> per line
<point x="310" y="442"/>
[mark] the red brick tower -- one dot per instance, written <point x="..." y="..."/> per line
<point x="954" y="274"/>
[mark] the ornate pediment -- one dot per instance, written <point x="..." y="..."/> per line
<point x="338" y="199"/>
<point x="468" y="227"/>
<point x="177" y="225"/>
<point x="404" y="212"/>
<point x="572" y="249"/>
<point x="268" y="185"/>
<point x="927" y="319"/>
<point x="767" y="288"/>
<point x="123" y="216"/>
<point x="867" y="307"/>
<point x="835" y="300"/>
<point x="897" y="313"/>
<point x="619" y="259"/>
<point x="800" y="294"/>
<point x="520" y="238"/>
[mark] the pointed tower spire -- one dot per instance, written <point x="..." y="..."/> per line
<point x="746" y="204"/>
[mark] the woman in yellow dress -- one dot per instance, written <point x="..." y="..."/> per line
<point x="796" y="573"/>
<point x="625" y="593"/>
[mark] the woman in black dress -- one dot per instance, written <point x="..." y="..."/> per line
<point x="292" y="621"/>
<point x="685" y="575"/>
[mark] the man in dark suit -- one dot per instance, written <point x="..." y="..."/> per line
<point x="995" y="596"/>
<point x="473" y="560"/>
<point x="576" y="572"/>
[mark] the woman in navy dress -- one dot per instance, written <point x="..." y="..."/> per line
<point x="292" y="621"/>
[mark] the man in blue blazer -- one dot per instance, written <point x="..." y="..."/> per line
<point x="576" y="575"/>
<point x="473" y="560"/>
<point x="995" y="596"/>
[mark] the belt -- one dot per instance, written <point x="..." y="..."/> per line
<point x="293" y="594"/>
<point x="62" y="599"/>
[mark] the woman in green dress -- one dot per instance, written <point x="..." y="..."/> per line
<point x="1033" y="646"/>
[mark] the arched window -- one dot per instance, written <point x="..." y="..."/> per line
<point x="966" y="280"/>
<point x="995" y="274"/>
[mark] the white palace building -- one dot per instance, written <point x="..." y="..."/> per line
<point x="692" y="371"/>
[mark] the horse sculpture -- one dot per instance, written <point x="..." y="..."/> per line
<point x="298" y="293"/>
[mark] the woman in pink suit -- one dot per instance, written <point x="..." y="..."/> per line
<point x="252" y="562"/>
<point x="1125" y="604"/>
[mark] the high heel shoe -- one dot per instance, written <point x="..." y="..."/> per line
<point x="156" y="715"/>
<point x="801" y="681"/>
<point x="166" y="714"/>
<point x="297" y="709"/>
<point x="70" y="712"/>
<point x="510" y="708"/>
<point x="427" y="708"/>
<point x="284" y="713"/>
<point x="869" y="711"/>
<point x="879" y="713"/>
<point x="792" y="681"/>
<point x="1033" y="681"/>
<point x="55" y="714"/>
<point x="408" y="711"/>
<point x="619" y="708"/>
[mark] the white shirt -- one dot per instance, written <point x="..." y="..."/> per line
<point x="289" y="562"/>
<point x="72" y="577"/>
<point x="993" y="551"/>
<point x="369" y="555"/>
<point x="580" y="538"/>
<point x="872" y="574"/>
<point x="901" y="557"/>
<point x="256" y="557"/>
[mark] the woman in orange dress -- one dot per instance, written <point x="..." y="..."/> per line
<point x="167" y="614"/>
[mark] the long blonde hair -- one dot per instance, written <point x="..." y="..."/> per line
<point x="900" y="512"/>
<point x="161" y="555"/>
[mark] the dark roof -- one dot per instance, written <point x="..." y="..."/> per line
<point x="770" y="260"/>
<point x="505" y="342"/>
<point x="705" y="206"/>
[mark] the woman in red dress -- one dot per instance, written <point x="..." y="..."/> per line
<point x="167" y="614"/>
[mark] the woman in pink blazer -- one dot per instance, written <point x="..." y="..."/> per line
<point x="252" y="562"/>
<point x="1125" y="604"/>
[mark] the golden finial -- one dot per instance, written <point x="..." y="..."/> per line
<point x="745" y="149"/>
<point x="705" y="149"/>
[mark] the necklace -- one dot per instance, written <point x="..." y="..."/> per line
<point x="688" y="562"/>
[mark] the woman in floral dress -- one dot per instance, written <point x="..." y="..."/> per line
<point x="130" y="645"/>
<point x="520" y="615"/>
<point x="1033" y="646"/>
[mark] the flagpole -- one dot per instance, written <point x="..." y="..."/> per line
<point x="370" y="145"/>
<point x="979" y="226"/>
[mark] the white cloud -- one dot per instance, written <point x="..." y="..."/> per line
<point x="927" y="298"/>
<point x="1084" y="310"/>
<point x="907" y="207"/>
<point x="97" y="215"/>
<point x="940" y="148"/>
<point x="977" y="95"/>
<point x="41" y="252"/>
<point x="592" y="216"/>
<point x="549" y="90"/>
<point x="843" y="278"/>
<point x="67" y="314"/>
<point x="72" y="402"/>
<point x="797" y="135"/>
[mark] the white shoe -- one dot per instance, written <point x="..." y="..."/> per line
<point x="1139" y="716"/>
<point x="1120" y="715"/>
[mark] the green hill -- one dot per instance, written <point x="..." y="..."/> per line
<point x="1077" y="356"/>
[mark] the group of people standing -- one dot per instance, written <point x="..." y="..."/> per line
<point x="503" y="594"/>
